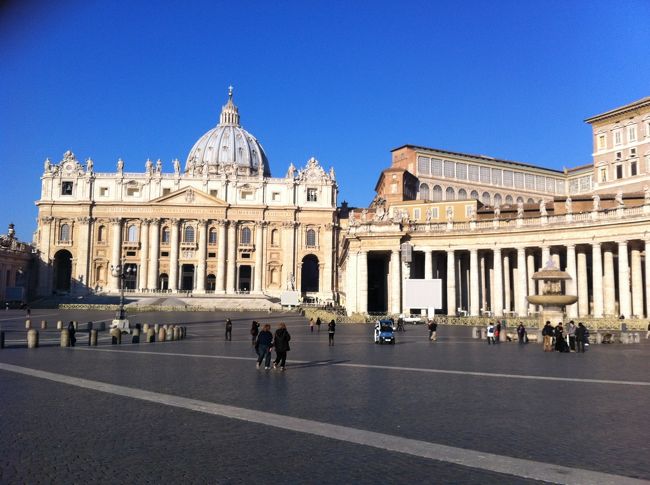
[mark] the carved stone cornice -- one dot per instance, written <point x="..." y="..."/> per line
<point x="115" y="220"/>
<point x="47" y="219"/>
<point x="291" y="224"/>
<point x="221" y="223"/>
<point x="85" y="220"/>
<point x="174" y="221"/>
<point x="146" y="221"/>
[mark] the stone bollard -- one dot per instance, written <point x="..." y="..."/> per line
<point x="145" y="328"/>
<point x="43" y="324"/>
<point x="136" y="335"/>
<point x="156" y="328"/>
<point x="28" y="324"/>
<point x="162" y="334"/>
<point x="2" y="340"/>
<point x="116" y="336"/>
<point x="170" y="333"/>
<point x="625" y="338"/>
<point x="32" y="338"/>
<point x="476" y="332"/>
<point x="93" y="338"/>
<point x="65" y="338"/>
<point x="151" y="336"/>
<point x="59" y="325"/>
<point x="637" y="338"/>
<point x="599" y="338"/>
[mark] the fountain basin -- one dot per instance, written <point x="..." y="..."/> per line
<point x="552" y="300"/>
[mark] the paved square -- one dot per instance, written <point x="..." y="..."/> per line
<point x="198" y="410"/>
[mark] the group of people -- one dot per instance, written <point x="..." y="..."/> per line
<point x="575" y="339"/>
<point x="493" y="332"/>
<point x="331" y="328"/>
<point x="265" y="342"/>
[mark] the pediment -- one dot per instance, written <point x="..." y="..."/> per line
<point x="189" y="196"/>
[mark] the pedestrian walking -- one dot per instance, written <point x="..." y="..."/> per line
<point x="264" y="344"/>
<point x="318" y="323"/>
<point x="29" y="314"/>
<point x="331" y="329"/>
<point x="571" y="333"/>
<point x="647" y="334"/>
<point x="560" y="340"/>
<point x="71" y="333"/>
<point x="255" y="329"/>
<point x="311" y="325"/>
<point x="433" y="330"/>
<point x="281" y="346"/>
<point x="522" y="336"/>
<point x="400" y="323"/>
<point x="581" y="337"/>
<point x="490" y="333"/>
<point x="228" y="329"/>
<point x="547" y="334"/>
<point x="497" y="332"/>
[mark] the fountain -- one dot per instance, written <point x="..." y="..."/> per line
<point x="552" y="299"/>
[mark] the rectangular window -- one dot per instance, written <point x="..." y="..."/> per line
<point x="133" y="191"/>
<point x="450" y="170"/>
<point x="485" y="175"/>
<point x="275" y="196"/>
<point x="618" y="137"/>
<point x="434" y="212"/>
<point x="619" y="172"/>
<point x="550" y="185"/>
<point x="496" y="176"/>
<point x="246" y="195"/>
<point x="212" y="255"/>
<point x="214" y="193"/>
<point x="103" y="191"/>
<point x="66" y="188"/>
<point x="619" y="155"/>
<point x="633" y="169"/>
<point x="631" y="134"/>
<point x="167" y="191"/>
<point x="530" y="181"/>
<point x="436" y="167"/>
<point x="540" y="183"/>
<point x="416" y="214"/>
<point x="472" y="173"/>
<point x="519" y="180"/>
<point x="468" y="210"/>
<point x="423" y="165"/>
<point x="130" y="253"/>
<point x="633" y="152"/>
<point x="461" y="171"/>
<point x="560" y="186"/>
<point x="573" y="186"/>
<point x="164" y="254"/>
<point x="603" y="174"/>
<point x="312" y="195"/>
<point x="507" y="178"/>
<point x="585" y="183"/>
<point x="602" y="142"/>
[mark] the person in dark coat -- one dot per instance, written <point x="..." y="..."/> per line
<point x="264" y="345"/>
<point x="331" y="329"/>
<point x="71" y="332"/>
<point x="560" y="342"/>
<point x="228" y="329"/>
<point x="281" y="346"/>
<point x="581" y="337"/>
<point x="255" y="329"/>
<point x="318" y="322"/>
<point x="521" y="333"/>
<point x="497" y="332"/>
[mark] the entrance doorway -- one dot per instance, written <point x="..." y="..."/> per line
<point x="309" y="276"/>
<point x="163" y="282"/>
<point x="211" y="283"/>
<point x="378" y="264"/>
<point x="187" y="277"/>
<point x="244" y="279"/>
<point x="62" y="271"/>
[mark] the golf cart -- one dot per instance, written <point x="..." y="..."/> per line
<point x="384" y="331"/>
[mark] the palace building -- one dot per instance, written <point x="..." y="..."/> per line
<point x="224" y="225"/>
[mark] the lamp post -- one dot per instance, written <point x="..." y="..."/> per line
<point x="122" y="272"/>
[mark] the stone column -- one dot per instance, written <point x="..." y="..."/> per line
<point x="546" y="255"/>
<point x="83" y="255"/>
<point x="143" y="271"/>
<point x="259" y="257"/>
<point x="173" y="256"/>
<point x="637" y="281"/>
<point x="571" y="285"/>
<point x="288" y="252"/>
<point x="597" y="279"/>
<point x="395" y="293"/>
<point x="647" y="275"/>
<point x="221" y="258"/>
<point x="116" y="247"/>
<point x="609" y="291"/>
<point x="484" y="292"/>
<point x="351" y="286"/>
<point x="154" y="254"/>
<point x="506" y="282"/>
<point x="451" y="283"/>
<point x="522" y="283"/>
<point x="583" y="284"/>
<point x="474" y="301"/>
<point x="497" y="294"/>
<point x="201" y="256"/>
<point x="45" y="266"/>
<point x="532" y="289"/>
<point x="327" y="290"/>
<point x="428" y="266"/>
<point x="362" y="281"/>
<point x="231" y="266"/>
<point x="623" y="280"/>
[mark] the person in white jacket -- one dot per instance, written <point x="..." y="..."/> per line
<point x="490" y="334"/>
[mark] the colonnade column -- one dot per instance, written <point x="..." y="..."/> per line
<point x="154" y="241"/>
<point x="473" y="286"/>
<point x="637" y="282"/>
<point x="497" y="294"/>
<point x="328" y="287"/>
<point x="351" y="278"/>
<point x="609" y="291"/>
<point x="143" y="273"/>
<point x="623" y="280"/>
<point x="522" y="283"/>
<point x="288" y="252"/>
<point x="428" y="264"/>
<point x="597" y="278"/>
<point x="506" y="282"/>
<point x="201" y="263"/>
<point x="362" y="281"/>
<point x="451" y="283"/>
<point x="83" y="256"/>
<point x="116" y="247"/>
<point x="483" y="275"/>
<point x="45" y="266"/>
<point x="583" y="285"/>
<point x="173" y="256"/>
<point x="221" y="258"/>
<point x="571" y="285"/>
<point x="395" y="293"/>
<point x="530" y="268"/>
<point x="259" y="257"/>
<point x="232" y="258"/>
<point x="647" y="277"/>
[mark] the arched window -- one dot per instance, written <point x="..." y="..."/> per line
<point x="520" y="199"/>
<point x="530" y="200"/>
<point x="424" y="192"/>
<point x="509" y="199"/>
<point x="212" y="236"/>
<point x="473" y="195"/>
<point x="189" y="234"/>
<point x="101" y="233"/>
<point x="245" y="235"/>
<point x="497" y="199"/>
<point x="450" y="194"/>
<point x="485" y="198"/>
<point x="64" y="233"/>
<point x="275" y="237"/>
<point x="311" y="238"/>
<point x="164" y="235"/>
<point x="437" y="193"/>
<point x="132" y="233"/>
<point x="462" y="194"/>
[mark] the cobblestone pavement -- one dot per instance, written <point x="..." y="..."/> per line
<point x="53" y="432"/>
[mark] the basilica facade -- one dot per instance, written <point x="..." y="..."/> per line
<point x="221" y="224"/>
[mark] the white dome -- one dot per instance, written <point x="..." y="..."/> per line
<point x="228" y="144"/>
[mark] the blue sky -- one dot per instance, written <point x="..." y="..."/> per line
<point x="342" y="81"/>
